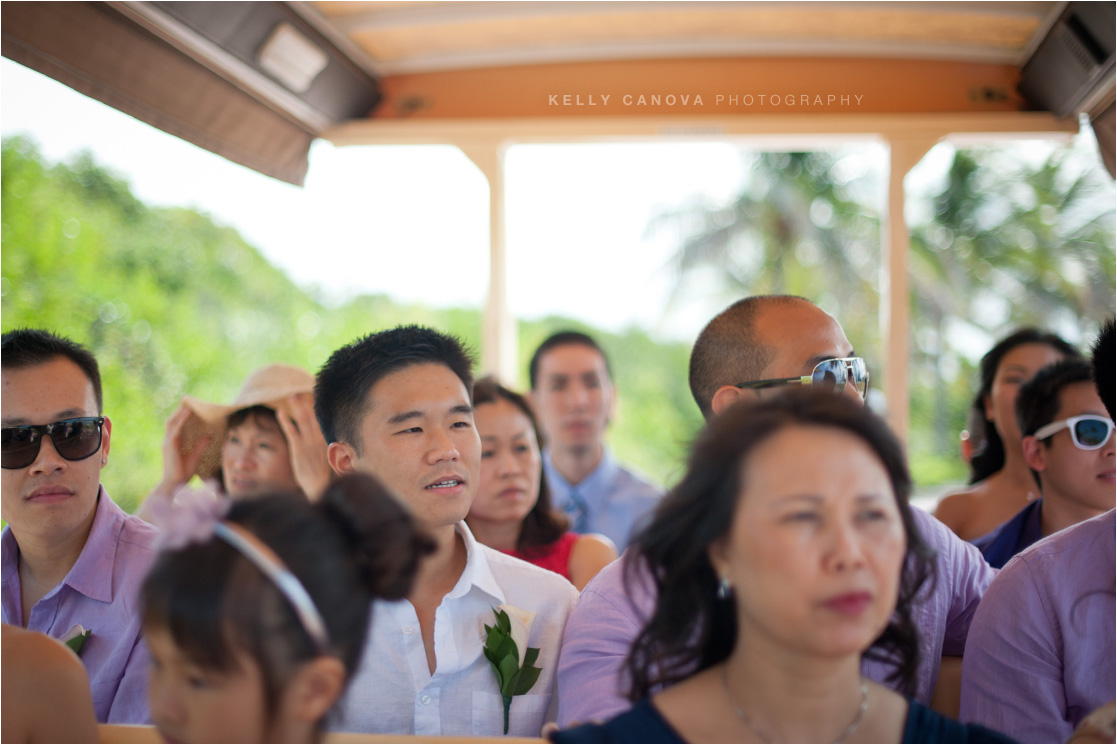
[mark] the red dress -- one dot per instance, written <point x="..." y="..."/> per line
<point x="553" y="557"/>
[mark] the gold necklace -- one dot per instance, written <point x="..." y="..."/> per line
<point x="857" y="717"/>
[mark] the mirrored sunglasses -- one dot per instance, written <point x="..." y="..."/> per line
<point x="835" y="373"/>
<point x="1089" y="431"/>
<point x="74" y="439"/>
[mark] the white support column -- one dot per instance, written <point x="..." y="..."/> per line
<point x="895" y="300"/>
<point x="499" y="342"/>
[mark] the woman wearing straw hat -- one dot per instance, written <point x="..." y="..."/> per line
<point x="266" y="441"/>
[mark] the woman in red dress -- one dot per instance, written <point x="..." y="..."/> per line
<point x="512" y="509"/>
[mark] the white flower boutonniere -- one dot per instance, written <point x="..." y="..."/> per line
<point x="75" y="638"/>
<point x="504" y="640"/>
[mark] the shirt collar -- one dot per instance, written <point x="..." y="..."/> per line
<point x="92" y="574"/>
<point x="9" y="554"/>
<point x="477" y="574"/>
<point x="599" y="480"/>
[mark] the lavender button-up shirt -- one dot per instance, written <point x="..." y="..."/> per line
<point x="1042" y="648"/>
<point x="607" y="620"/>
<point x="99" y="593"/>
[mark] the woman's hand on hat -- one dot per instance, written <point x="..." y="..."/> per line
<point x="179" y="465"/>
<point x="306" y="444"/>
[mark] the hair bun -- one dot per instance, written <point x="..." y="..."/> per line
<point x="385" y="543"/>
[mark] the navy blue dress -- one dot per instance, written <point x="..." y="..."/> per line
<point x="644" y="725"/>
<point x="1012" y="537"/>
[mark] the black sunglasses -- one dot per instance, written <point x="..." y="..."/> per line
<point x="74" y="439"/>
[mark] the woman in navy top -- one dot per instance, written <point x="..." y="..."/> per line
<point x="783" y="555"/>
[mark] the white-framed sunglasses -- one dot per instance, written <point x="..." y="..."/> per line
<point x="1089" y="431"/>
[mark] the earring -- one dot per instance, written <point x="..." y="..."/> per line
<point x="724" y="588"/>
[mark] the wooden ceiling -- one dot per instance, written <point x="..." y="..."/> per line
<point x="461" y="60"/>
<point x="409" y="37"/>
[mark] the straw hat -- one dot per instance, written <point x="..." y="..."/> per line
<point x="268" y="386"/>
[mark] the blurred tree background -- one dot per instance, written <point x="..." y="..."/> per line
<point x="172" y="304"/>
<point x="1001" y="240"/>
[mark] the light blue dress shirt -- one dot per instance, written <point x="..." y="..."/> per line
<point x="611" y="500"/>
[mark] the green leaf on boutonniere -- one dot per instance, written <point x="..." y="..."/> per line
<point x="503" y="654"/>
<point x="76" y="638"/>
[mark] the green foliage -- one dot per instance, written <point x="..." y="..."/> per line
<point x="171" y="303"/>
<point x="1007" y="243"/>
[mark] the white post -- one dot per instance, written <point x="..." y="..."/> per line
<point x="499" y="343"/>
<point x="895" y="300"/>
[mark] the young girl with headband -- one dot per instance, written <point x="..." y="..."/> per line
<point x="255" y="619"/>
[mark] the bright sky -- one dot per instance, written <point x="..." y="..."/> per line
<point x="577" y="215"/>
<point x="412" y="221"/>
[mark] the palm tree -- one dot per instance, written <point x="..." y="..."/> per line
<point x="1007" y="242"/>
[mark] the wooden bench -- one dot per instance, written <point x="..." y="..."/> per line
<point x="114" y="734"/>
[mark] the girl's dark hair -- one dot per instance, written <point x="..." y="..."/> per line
<point x="991" y="457"/>
<point x="690" y="628"/>
<point x="257" y="414"/>
<point x="356" y="544"/>
<point x="542" y="525"/>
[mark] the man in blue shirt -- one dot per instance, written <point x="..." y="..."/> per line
<point x="573" y="393"/>
<point x="1068" y="444"/>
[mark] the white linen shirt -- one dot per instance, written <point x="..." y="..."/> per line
<point x="393" y="691"/>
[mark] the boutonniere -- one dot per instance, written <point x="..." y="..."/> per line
<point x="504" y="640"/>
<point x="75" y="638"/>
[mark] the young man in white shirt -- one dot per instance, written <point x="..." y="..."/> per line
<point x="397" y="404"/>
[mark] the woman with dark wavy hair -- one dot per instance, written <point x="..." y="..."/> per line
<point x="1001" y="483"/>
<point x="512" y="511"/>
<point x="785" y="556"/>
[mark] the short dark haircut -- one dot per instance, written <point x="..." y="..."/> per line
<point x="563" y="338"/>
<point x="691" y="629"/>
<point x="991" y="457"/>
<point x="728" y="351"/>
<point x="342" y="386"/>
<point x="356" y="544"/>
<point x="542" y="525"/>
<point x="1037" y="403"/>
<point x="1103" y="352"/>
<point x="28" y="347"/>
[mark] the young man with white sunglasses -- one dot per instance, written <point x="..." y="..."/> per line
<point x="1069" y="446"/>
<point x="1041" y="651"/>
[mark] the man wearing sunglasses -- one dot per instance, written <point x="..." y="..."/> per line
<point x="70" y="555"/>
<point x="1043" y="646"/>
<point x="753" y="348"/>
<point x="1068" y="444"/>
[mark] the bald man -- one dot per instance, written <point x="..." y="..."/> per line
<point x="757" y="345"/>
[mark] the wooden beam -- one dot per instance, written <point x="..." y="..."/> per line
<point x="764" y="130"/>
<point x="703" y="86"/>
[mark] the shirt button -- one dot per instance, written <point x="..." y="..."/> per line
<point x="425" y="700"/>
<point x="408" y="630"/>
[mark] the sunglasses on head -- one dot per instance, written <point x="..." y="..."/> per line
<point x="1089" y="431"/>
<point x="74" y="439"/>
<point x="835" y="373"/>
